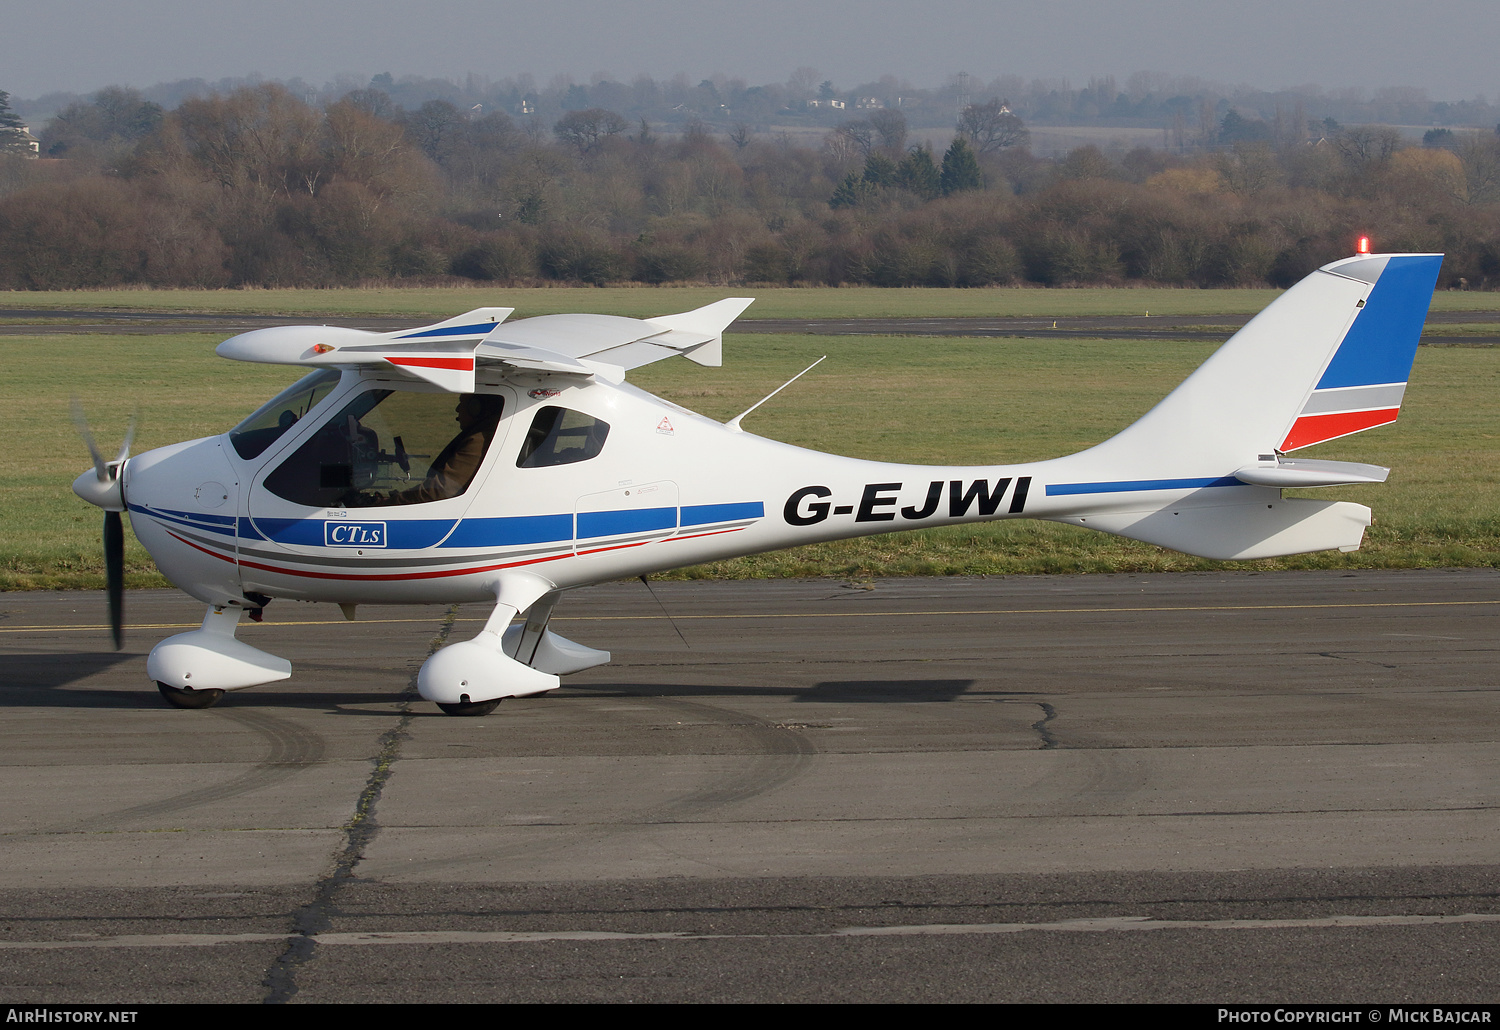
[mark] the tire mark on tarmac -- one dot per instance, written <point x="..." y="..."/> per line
<point x="291" y="748"/>
<point x="782" y="755"/>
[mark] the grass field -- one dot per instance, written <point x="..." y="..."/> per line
<point x="903" y="399"/>
<point x="642" y="301"/>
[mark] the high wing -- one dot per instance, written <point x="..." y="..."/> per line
<point x="450" y="353"/>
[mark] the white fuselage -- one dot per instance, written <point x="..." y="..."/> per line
<point x="670" y="488"/>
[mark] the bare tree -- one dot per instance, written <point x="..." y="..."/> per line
<point x="258" y="136"/>
<point x="435" y="127"/>
<point x="1249" y="169"/>
<point x="1362" y="144"/>
<point x="587" y="131"/>
<point x="802" y="84"/>
<point x="890" y="130"/>
<point x="991" y="126"/>
<point x="1481" y="158"/>
<point x="853" y="137"/>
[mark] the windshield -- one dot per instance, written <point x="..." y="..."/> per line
<point x="391" y="447"/>
<point x="280" y="413"/>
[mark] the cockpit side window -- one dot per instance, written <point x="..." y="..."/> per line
<point x="391" y="447"/>
<point x="263" y="428"/>
<point x="561" y="436"/>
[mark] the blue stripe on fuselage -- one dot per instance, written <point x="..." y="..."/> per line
<point x="702" y="514"/>
<point x="1131" y="486"/>
<point x="521" y="529"/>
<point x="593" y="524"/>
<point x="223" y="525"/>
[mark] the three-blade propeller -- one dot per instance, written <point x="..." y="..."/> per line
<point x="107" y="492"/>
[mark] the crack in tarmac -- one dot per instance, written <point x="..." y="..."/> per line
<point x="1049" y="742"/>
<point x="315" y="918"/>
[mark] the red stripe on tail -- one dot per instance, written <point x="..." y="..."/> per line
<point x="1311" y="429"/>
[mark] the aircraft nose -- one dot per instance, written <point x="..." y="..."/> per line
<point x="107" y="494"/>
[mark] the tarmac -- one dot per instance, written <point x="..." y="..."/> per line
<point x="1217" y="787"/>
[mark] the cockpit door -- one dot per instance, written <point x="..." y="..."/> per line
<point x="359" y="487"/>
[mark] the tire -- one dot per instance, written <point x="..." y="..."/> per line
<point x="475" y="708"/>
<point x="187" y="697"/>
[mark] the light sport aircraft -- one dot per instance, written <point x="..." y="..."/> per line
<point x="350" y="486"/>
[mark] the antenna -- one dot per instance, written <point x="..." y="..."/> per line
<point x="733" y="425"/>
<point x="647" y="584"/>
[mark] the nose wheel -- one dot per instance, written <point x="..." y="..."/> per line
<point x="187" y="697"/>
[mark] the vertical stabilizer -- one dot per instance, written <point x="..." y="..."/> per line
<point x="1329" y="357"/>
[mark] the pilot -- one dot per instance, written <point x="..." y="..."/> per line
<point x="453" y="469"/>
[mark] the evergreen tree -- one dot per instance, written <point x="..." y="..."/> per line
<point x="880" y="171"/>
<point x="918" y="174"/>
<point x="852" y="192"/>
<point x="12" y="140"/>
<point x="960" y="169"/>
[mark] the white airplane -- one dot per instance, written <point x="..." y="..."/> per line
<point x="351" y="487"/>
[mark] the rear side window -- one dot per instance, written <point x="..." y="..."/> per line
<point x="560" y="436"/>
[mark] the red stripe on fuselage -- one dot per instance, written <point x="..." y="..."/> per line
<point x="695" y="536"/>
<point x="1311" y="429"/>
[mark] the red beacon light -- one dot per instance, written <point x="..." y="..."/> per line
<point x="1363" y="246"/>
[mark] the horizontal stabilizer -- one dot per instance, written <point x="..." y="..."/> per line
<point x="1307" y="472"/>
<point x="1230" y="532"/>
<point x="709" y="321"/>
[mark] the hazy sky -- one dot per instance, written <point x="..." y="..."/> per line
<point x="1448" y="49"/>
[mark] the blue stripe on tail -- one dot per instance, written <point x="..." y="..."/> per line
<point x="1382" y="342"/>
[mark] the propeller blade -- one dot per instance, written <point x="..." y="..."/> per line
<point x="114" y="571"/>
<point x="129" y="436"/>
<point x="88" y="439"/>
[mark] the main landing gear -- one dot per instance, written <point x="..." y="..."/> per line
<point x="469" y="707"/>
<point x="188" y="697"/>
<point x="471" y="677"/>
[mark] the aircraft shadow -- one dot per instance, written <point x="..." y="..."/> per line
<point x="31" y="680"/>
<point x="44" y="680"/>
<point x="902" y="691"/>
